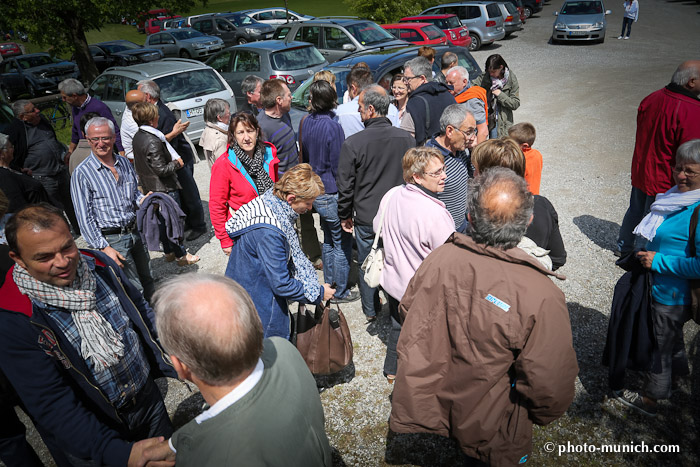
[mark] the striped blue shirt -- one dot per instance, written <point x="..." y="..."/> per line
<point x="100" y="200"/>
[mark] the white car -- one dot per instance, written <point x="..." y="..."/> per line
<point x="275" y="16"/>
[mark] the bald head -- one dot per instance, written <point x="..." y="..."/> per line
<point x="210" y="324"/>
<point x="500" y="208"/>
<point x="134" y="96"/>
<point x="688" y="76"/>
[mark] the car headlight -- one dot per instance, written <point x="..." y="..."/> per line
<point x="130" y="58"/>
<point x="251" y="30"/>
<point x="560" y="26"/>
<point x="598" y="25"/>
<point x="198" y="45"/>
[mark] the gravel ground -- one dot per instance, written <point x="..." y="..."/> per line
<point x="582" y="99"/>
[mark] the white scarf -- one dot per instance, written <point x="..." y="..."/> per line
<point x="156" y="132"/>
<point x="665" y="204"/>
<point x="222" y="125"/>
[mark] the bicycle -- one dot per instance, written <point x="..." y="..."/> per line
<point x="53" y="108"/>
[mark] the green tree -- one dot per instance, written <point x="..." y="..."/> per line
<point x="387" y="11"/>
<point x="61" y="24"/>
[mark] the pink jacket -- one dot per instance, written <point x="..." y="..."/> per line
<point x="414" y="225"/>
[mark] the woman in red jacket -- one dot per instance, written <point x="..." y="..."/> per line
<point x="248" y="169"/>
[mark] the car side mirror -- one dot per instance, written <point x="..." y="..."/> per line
<point x="349" y="47"/>
<point x="608" y="12"/>
<point x="556" y="13"/>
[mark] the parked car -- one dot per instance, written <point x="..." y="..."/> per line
<point x="6" y="117"/>
<point x="143" y="17"/>
<point x="121" y="52"/>
<point x="519" y="5"/>
<point x="580" y="21"/>
<point x="247" y="28"/>
<point x="175" y="23"/>
<point x="216" y="26"/>
<point x="294" y="62"/>
<point x="336" y="38"/>
<point x="417" y="33"/>
<point x="10" y="49"/>
<point x="185" y="43"/>
<point x="511" y="18"/>
<point x="185" y="84"/>
<point x="530" y="7"/>
<point x="33" y="74"/>
<point x="155" y="25"/>
<point x="275" y="16"/>
<point x="484" y="20"/>
<point x="455" y="31"/>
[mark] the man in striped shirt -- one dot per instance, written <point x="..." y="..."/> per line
<point x="456" y="138"/>
<point x="106" y="197"/>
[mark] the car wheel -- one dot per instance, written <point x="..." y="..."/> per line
<point x="242" y="40"/>
<point x="527" y="11"/>
<point x="5" y="94"/>
<point x="553" y="41"/>
<point x="185" y="54"/>
<point x="601" y="40"/>
<point x="476" y="43"/>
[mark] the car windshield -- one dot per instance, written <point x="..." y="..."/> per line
<point x="433" y="32"/>
<point x="300" y="97"/>
<point x="369" y="33"/>
<point x="37" y="60"/>
<point x="186" y="34"/>
<point x="120" y="47"/>
<point x="452" y="22"/>
<point x="582" y="8"/>
<point x="296" y="59"/>
<point x="240" y="20"/>
<point x="189" y="84"/>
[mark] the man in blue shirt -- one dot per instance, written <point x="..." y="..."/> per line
<point x="105" y="193"/>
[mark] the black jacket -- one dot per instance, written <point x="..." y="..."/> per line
<point x="369" y="166"/>
<point x="154" y="164"/>
<point x="544" y="231"/>
<point x="431" y="96"/>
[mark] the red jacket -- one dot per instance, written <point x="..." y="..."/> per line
<point x="666" y="119"/>
<point x="230" y="187"/>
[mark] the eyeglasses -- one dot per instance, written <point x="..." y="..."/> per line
<point x="469" y="133"/>
<point x="437" y="173"/>
<point x="104" y="139"/>
<point x="398" y="88"/>
<point x="688" y="173"/>
<point x="406" y="79"/>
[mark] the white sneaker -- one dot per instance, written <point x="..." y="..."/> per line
<point x="627" y="37"/>
<point x="619" y="37"/>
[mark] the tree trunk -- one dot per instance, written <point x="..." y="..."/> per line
<point x="76" y="35"/>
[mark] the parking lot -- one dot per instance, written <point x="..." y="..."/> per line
<point x="582" y="100"/>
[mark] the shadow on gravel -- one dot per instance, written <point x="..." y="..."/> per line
<point x="600" y="231"/>
<point x="427" y="450"/>
<point x="589" y="329"/>
<point x="188" y="409"/>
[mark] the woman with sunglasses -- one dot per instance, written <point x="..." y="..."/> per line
<point x="414" y="224"/>
<point x="245" y="171"/>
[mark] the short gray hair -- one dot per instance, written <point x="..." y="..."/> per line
<point x="71" y="87"/>
<point x="214" y="108"/>
<point x="420" y="66"/>
<point x="149" y="87"/>
<point x="99" y="121"/>
<point x="4" y="139"/>
<point x="18" y="107"/>
<point x="689" y="152"/>
<point x="500" y="206"/>
<point x="377" y="97"/>
<point x="250" y="83"/>
<point x="463" y="72"/>
<point x="684" y="73"/>
<point x="453" y="115"/>
<point x="217" y="351"/>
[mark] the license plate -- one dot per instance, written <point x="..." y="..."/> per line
<point x="578" y="33"/>
<point x="268" y="36"/>
<point x="196" y="112"/>
<point x="463" y="33"/>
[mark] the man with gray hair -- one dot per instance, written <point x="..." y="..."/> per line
<point x="250" y="87"/>
<point x="474" y="97"/>
<point x="666" y="119"/>
<point x="500" y="339"/>
<point x="426" y="99"/>
<point x="211" y="330"/>
<point x="368" y="167"/>
<point x="458" y="135"/>
<point x="105" y="190"/>
<point x="74" y="93"/>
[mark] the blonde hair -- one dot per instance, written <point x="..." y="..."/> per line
<point x="416" y="160"/>
<point x="300" y="181"/>
<point x="144" y="113"/>
<point x="523" y="133"/>
<point x="502" y="152"/>
<point x="325" y="75"/>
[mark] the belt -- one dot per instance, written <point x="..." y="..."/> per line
<point x="119" y="230"/>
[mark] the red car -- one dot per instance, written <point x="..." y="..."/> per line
<point x="450" y="24"/>
<point x="10" y="49"/>
<point x="417" y="33"/>
<point x="155" y="25"/>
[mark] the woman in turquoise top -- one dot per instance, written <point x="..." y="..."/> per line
<point x="668" y="257"/>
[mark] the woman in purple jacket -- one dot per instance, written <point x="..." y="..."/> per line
<point x="414" y="224"/>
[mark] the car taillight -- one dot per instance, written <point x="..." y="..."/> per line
<point x="509" y="19"/>
<point x="490" y="23"/>
<point x="453" y="35"/>
<point x="289" y="79"/>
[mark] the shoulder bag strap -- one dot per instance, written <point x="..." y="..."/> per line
<point x="381" y="221"/>
<point x="301" y="154"/>
<point x="693" y="228"/>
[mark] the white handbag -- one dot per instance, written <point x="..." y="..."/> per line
<point x="373" y="265"/>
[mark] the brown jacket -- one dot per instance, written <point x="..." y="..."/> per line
<point x="485" y="350"/>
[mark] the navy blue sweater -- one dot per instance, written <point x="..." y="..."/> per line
<point x="321" y="139"/>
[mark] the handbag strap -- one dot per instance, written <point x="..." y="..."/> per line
<point x="381" y="220"/>
<point x="301" y="154"/>
<point x="693" y="228"/>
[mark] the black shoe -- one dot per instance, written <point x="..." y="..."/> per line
<point x="353" y="296"/>
<point x="195" y="234"/>
<point x="636" y="401"/>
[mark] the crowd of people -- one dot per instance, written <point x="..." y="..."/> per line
<point x="435" y="171"/>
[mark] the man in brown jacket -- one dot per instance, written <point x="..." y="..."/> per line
<point x="486" y="347"/>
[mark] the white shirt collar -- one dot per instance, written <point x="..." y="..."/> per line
<point x="234" y="396"/>
<point x="89" y="97"/>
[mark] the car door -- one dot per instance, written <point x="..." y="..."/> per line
<point x="312" y="34"/>
<point x="245" y="62"/>
<point x="168" y="45"/>
<point x="472" y="18"/>
<point x="226" y="31"/>
<point x="223" y="63"/>
<point x="337" y="43"/>
<point x="153" y="42"/>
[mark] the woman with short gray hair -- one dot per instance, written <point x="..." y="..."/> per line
<point x="214" y="139"/>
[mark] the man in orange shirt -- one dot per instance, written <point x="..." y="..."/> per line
<point x="524" y="134"/>
<point x="473" y="96"/>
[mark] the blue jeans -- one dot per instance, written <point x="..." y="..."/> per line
<point x="364" y="237"/>
<point x="640" y="205"/>
<point x="337" y="244"/>
<point x="391" y="359"/>
<point x="626" y="24"/>
<point x="137" y="266"/>
<point x="168" y="246"/>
